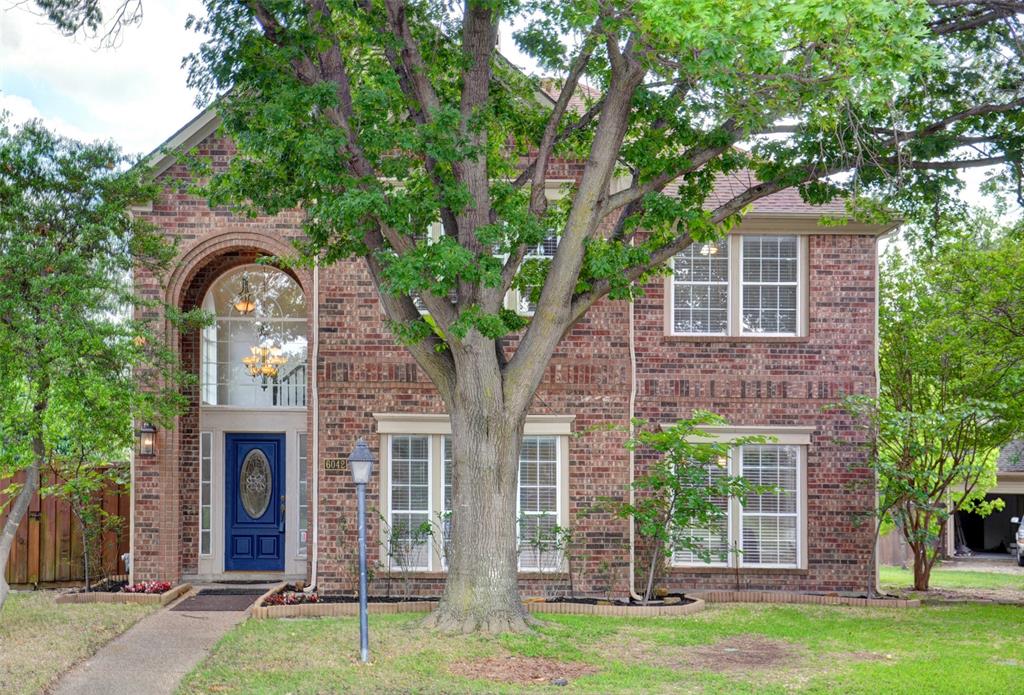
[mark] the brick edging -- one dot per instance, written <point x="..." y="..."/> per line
<point x="717" y="596"/>
<point x="325" y="610"/>
<point x="122" y="597"/>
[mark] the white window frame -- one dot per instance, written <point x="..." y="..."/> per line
<point x="735" y="295"/>
<point x="796" y="285"/>
<point x="798" y="437"/>
<point x="697" y="562"/>
<point x="435" y="428"/>
<point x="558" y="504"/>
<point x="520" y="302"/>
<point x="430" y="500"/>
<point x="206" y="457"/>
<point x="728" y="295"/>
<point x="798" y="515"/>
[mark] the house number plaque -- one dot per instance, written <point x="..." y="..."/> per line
<point x="334" y="465"/>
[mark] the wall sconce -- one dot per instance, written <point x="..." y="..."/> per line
<point x="147" y="440"/>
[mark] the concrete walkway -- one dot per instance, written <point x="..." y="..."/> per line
<point x="152" y="657"/>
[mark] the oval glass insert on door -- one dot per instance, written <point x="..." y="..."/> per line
<point x="255" y="484"/>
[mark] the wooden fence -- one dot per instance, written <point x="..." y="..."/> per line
<point x="48" y="547"/>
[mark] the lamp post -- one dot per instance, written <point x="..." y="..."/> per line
<point x="360" y="462"/>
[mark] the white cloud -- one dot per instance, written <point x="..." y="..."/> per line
<point x="134" y="94"/>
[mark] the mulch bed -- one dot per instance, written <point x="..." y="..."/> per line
<point x="220" y="600"/>
<point x="522" y="670"/>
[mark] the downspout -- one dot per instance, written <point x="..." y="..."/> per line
<point x="632" y="454"/>
<point x="878" y="390"/>
<point x="314" y="502"/>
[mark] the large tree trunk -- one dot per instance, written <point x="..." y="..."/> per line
<point x="482" y="592"/>
<point x="15" y="515"/>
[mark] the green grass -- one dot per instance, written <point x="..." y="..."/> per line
<point x="40" y="639"/>
<point x="824" y="649"/>
<point x="899" y="578"/>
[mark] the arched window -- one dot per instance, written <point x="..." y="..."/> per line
<point x="254" y="355"/>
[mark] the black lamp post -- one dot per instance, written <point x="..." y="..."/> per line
<point x="360" y="462"/>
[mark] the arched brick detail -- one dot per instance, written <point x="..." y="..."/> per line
<point x="168" y="488"/>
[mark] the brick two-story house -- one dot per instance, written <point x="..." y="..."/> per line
<point x="767" y="329"/>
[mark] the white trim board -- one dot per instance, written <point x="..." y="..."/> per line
<point x="424" y="423"/>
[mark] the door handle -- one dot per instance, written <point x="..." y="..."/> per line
<point x="280" y="521"/>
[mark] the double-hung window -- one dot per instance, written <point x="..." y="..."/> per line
<point x="418" y="491"/>
<point x="700" y="289"/>
<point x="768" y="530"/>
<point x="544" y="251"/>
<point x="409" y="469"/>
<point x="538" y="504"/>
<point x="742" y="285"/>
<point x="713" y="540"/>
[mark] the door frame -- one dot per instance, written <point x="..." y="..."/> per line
<point x="220" y="420"/>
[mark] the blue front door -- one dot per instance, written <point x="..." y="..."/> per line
<point x="255" y="502"/>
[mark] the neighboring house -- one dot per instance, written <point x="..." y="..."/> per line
<point x="766" y="328"/>
<point x="995" y="533"/>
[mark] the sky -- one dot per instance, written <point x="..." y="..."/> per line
<point x="134" y="94"/>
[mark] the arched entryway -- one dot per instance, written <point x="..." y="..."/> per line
<point x="243" y="445"/>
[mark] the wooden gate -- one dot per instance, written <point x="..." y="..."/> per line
<point x="48" y="547"/>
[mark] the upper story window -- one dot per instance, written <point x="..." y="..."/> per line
<point x="545" y="250"/>
<point x="700" y="289"/>
<point x="254" y="354"/>
<point x="741" y="285"/>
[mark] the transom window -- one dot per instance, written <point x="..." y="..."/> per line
<point x="741" y="285"/>
<point x="767" y="530"/>
<point x="254" y="354"/>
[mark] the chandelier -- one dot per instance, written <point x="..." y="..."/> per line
<point x="244" y="302"/>
<point x="264" y="362"/>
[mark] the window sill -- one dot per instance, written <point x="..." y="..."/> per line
<point x="703" y="569"/>
<point x="738" y="338"/>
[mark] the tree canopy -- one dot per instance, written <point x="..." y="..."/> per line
<point x="952" y="382"/>
<point x="78" y="365"/>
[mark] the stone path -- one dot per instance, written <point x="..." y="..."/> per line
<point x="152" y="657"/>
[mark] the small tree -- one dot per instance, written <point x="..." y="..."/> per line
<point x="685" y="491"/>
<point x="81" y="480"/>
<point x="78" y="367"/>
<point x="952" y="378"/>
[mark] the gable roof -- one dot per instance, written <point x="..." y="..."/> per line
<point x="188" y="136"/>
<point x="1011" y="457"/>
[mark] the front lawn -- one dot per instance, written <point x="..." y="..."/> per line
<point x="725" y="649"/>
<point x="898" y="578"/>
<point x="40" y="639"/>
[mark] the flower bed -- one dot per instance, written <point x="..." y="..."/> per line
<point x="717" y="596"/>
<point x="275" y="604"/>
<point x="147" y="588"/>
<point x="159" y="593"/>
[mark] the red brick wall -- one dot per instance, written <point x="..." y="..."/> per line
<point x="362" y="371"/>
<point x="784" y="381"/>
